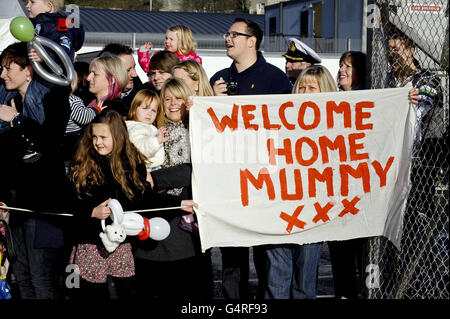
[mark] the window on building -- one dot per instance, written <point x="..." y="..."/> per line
<point x="272" y="25"/>
<point x="304" y="17"/>
<point x="318" y="20"/>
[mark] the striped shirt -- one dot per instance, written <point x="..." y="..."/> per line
<point x="80" y="115"/>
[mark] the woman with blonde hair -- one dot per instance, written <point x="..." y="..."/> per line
<point x="292" y="269"/>
<point x="194" y="76"/>
<point x="174" y="92"/>
<point x="314" y="79"/>
<point x="107" y="79"/>
<point x="179" y="269"/>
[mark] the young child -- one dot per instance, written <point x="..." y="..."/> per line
<point x="80" y="116"/>
<point x="141" y="120"/>
<point x="107" y="165"/>
<point x="49" y="21"/>
<point x="5" y="253"/>
<point x="161" y="65"/>
<point x="179" y="40"/>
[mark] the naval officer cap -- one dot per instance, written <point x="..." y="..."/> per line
<point x="300" y="52"/>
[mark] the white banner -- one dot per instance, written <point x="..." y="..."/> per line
<point x="303" y="168"/>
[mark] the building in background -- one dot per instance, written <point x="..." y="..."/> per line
<point x="324" y="25"/>
<point x="134" y="28"/>
<point x="171" y="5"/>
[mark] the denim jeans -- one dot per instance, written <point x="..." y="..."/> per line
<point x="35" y="269"/>
<point x="292" y="271"/>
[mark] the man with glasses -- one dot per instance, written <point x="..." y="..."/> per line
<point x="248" y="74"/>
<point x="249" y="71"/>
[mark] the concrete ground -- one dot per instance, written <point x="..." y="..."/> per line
<point x="324" y="285"/>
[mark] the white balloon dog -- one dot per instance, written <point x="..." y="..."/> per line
<point x="131" y="224"/>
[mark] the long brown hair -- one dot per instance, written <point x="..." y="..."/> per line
<point x="358" y="62"/>
<point x="86" y="170"/>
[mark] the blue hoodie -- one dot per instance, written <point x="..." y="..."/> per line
<point x="260" y="78"/>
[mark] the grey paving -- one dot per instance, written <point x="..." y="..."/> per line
<point x="324" y="284"/>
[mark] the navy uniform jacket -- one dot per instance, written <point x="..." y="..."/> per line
<point x="260" y="78"/>
<point x="71" y="39"/>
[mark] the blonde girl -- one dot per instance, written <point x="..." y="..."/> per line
<point x="193" y="74"/>
<point x="36" y="7"/>
<point x="141" y="120"/>
<point x="179" y="40"/>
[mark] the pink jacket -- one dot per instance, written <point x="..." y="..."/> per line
<point x="144" y="58"/>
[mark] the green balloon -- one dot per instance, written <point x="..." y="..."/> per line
<point x="22" y="29"/>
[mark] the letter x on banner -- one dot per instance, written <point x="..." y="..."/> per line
<point x="301" y="168"/>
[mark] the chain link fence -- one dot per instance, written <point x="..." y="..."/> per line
<point x="408" y="42"/>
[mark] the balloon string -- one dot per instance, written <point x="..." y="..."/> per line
<point x="155" y="209"/>
<point x="32" y="211"/>
<point x="130" y="211"/>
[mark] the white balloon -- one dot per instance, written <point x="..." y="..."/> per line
<point x="159" y="228"/>
<point x="133" y="223"/>
<point x="117" y="211"/>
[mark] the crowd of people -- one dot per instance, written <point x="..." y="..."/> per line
<point x="73" y="149"/>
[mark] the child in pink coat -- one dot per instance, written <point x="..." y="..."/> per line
<point x="179" y="40"/>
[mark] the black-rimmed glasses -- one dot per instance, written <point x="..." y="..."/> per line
<point x="234" y="34"/>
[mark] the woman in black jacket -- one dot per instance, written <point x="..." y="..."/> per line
<point x="346" y="256"/>
<point x="34" y="116"/>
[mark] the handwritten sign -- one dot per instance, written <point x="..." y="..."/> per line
<point x="301" y="168"/>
